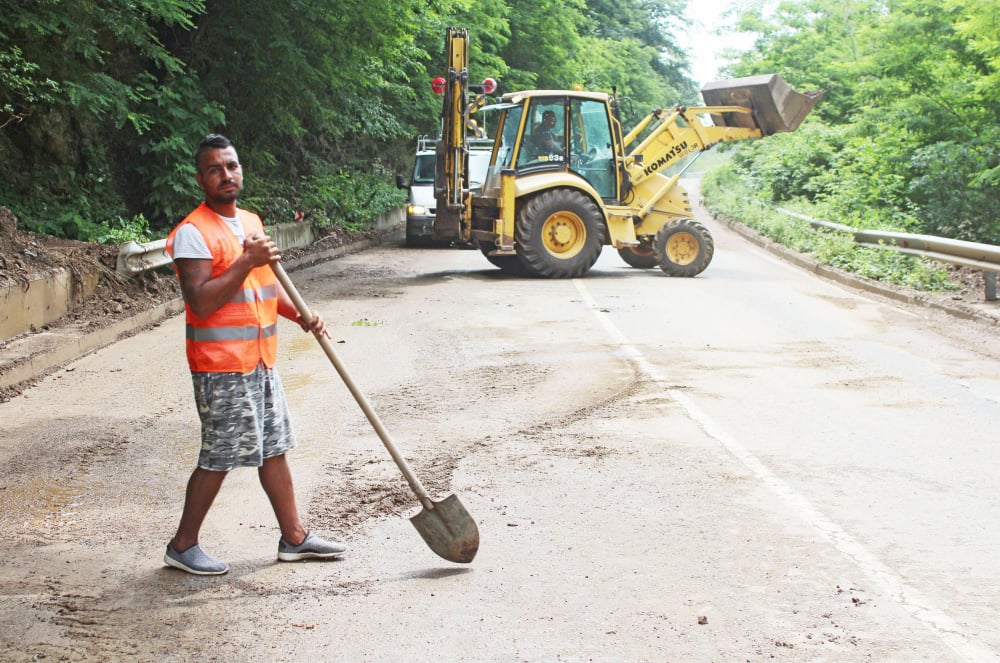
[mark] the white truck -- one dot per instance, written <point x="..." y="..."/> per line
<point x="420" y="204"/>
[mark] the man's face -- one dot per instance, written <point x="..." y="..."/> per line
<point x="220" y="176"/>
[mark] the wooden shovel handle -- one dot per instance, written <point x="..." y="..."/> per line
<point x="373" y="418"/>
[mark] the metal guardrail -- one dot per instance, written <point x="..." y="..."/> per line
<point x="985" y="257"/>
<point x="134" y="257"/>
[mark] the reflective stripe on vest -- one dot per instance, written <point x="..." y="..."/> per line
<point x="230" y="333"/>
<point x="243" y="331"/>
<point x="249" y="295"/>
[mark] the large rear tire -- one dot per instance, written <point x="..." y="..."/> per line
<point x="683" y="248"/>
<point x="640" y="257"/>
<point x="559" y="234"/>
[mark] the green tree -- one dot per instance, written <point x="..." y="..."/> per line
<point x="83" y="82"/>
<point x="101" y="102"/>
<point x="21" y="91"/>
<point x="302" y="81"/>
<point x="544" y="42"/>
<point x="814" y="45"/>
<point x="912" y="103"/>
<point x="489" y="25"/>
<point x="662" y="62"/>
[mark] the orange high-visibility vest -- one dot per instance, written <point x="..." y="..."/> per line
<point x="244" y="331"/>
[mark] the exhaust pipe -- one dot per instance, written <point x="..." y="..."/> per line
<point x="775" y="106"/>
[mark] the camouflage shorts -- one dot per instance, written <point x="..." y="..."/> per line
<point x="244" y="418"/>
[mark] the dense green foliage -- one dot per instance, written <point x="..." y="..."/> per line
<point x="906" y="137"/>
<point x="103" y="101"/>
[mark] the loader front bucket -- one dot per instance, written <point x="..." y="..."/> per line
<point x="776" y="106"/>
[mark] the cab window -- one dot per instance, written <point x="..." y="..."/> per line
<point x="591" y="152"/>
<point x="544" y="138"/>
<point x="508" y="138"/>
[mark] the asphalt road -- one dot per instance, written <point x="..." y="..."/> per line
<point x="751" y="465"/>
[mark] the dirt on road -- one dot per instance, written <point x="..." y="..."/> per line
<point x="616" y="527"/>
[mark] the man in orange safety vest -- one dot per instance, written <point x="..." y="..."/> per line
<point x="232" y="301"/>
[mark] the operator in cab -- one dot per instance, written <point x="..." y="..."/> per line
<point x="543" y="136"/>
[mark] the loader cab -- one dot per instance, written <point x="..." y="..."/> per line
<point x="560" y="133"/>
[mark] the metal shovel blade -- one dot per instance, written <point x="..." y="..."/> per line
<point x="776" y="106"/>
<point x="449" y="530"/>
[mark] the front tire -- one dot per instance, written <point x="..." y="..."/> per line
<point x="640" y="257"/>
<point x="412" y="240"/>
<point x="683" y="248"/>
<point x="559" y="234"/>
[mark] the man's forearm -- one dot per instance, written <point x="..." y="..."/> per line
<point x="207" y="295"/>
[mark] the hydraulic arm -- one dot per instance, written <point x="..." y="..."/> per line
<point x="760" y="106"/>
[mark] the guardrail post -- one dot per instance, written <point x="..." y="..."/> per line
<point x="991" y="286"/>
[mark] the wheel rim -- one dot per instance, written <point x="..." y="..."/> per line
<point x="564" y="234"/>
<point x="682" y="248"/>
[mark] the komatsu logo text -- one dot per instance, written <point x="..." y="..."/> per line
<point x="675" y="152"/>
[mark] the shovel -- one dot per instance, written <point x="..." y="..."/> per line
<point x="445" y="525"/>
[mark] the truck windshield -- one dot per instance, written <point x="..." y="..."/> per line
<point x="479" y="163"/>
<point x="423" y="169"/>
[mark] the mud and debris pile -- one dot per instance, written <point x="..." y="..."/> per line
<point x="26" y="255"/>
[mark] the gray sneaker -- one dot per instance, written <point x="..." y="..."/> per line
<point x="194" y="560"/>
<point x="311" y="547"/>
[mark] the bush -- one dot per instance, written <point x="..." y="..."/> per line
<point x="952" y="198"/>
<point x="351" y="199"/>
<point x="122" y="231"/>
<point x="728" y="193"/>
<point x="788" y="165"/>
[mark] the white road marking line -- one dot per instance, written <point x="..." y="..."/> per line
<point x="908" y="597"/>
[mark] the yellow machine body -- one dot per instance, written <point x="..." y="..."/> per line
<point x="565" y="179"/>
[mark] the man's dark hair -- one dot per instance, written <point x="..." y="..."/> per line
<point x="210" y="142"/>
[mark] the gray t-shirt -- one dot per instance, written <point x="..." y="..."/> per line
<point x="189" y="243"/>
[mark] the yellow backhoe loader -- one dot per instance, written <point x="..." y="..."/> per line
<point x="565" y="179"/>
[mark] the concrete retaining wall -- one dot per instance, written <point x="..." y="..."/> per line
<point x="289" y="235"/>
<point x="42" y="299"/>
